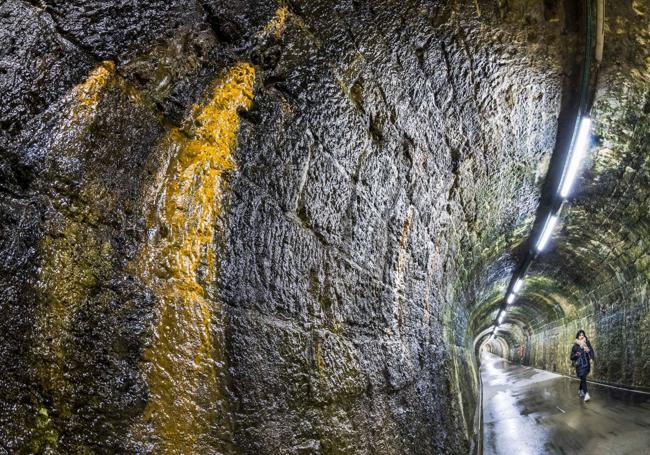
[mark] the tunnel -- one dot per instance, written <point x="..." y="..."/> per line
<point x="315" y="226"/>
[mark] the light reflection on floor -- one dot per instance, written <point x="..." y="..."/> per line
<point x="529" y="412"/>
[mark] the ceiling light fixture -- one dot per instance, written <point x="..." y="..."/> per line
<point x="551" y="221"/>
<point x="579" y="150"/>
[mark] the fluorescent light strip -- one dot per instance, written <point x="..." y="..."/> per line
<point x="551" y="221"/>
<point x="577" y="154"/>
<point x="510" y="299"/>
<point x="517" y="285"/>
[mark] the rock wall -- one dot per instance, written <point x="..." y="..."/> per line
<point x="259" y="227"/>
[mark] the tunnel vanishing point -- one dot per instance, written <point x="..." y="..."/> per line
<point x="289" y="226"/>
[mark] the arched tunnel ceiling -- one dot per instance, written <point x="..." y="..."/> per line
<point x="543" y="300"/>
<point x="603" y="238"/>
<point x="598" y="260"/>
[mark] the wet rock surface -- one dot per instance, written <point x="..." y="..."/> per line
<point x="251" y="227"/>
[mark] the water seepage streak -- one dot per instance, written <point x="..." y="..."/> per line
<point x="186" y="410"/>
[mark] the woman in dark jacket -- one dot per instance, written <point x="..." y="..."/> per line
<point x="582" y="354"/>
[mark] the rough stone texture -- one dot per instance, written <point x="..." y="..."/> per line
<point x="596" y="275"/>
<point x="38" y="66"/>
<point x="362" y="201"/>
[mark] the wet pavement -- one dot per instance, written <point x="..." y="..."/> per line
<point x="528" y="411"/>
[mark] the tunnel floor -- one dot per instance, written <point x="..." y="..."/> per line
<point x="529" y="411"/>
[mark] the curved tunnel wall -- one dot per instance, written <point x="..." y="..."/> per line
<point x="277" y="220"/>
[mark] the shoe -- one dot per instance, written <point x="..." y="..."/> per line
<point x="581" y="394"/>
<point x="587" y="397"/>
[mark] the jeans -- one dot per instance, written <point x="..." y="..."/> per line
<point x="583" y="384"/>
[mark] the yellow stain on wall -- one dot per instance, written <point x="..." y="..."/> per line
<point x="277" y="24"/>
<point x="74" y="260"/>
<point x="88" y="92"/>
<point x="185" y="361"/>
<point x="74" y="263"/>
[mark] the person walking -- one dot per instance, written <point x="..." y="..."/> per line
<point x="582" y="355"/>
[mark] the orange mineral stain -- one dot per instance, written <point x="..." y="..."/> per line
<point x="87" y="93"/>
<point x="185" y="362"/>
<point x="277" y="24"/>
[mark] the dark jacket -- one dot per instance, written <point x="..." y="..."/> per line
<point x="581" y="358"/>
